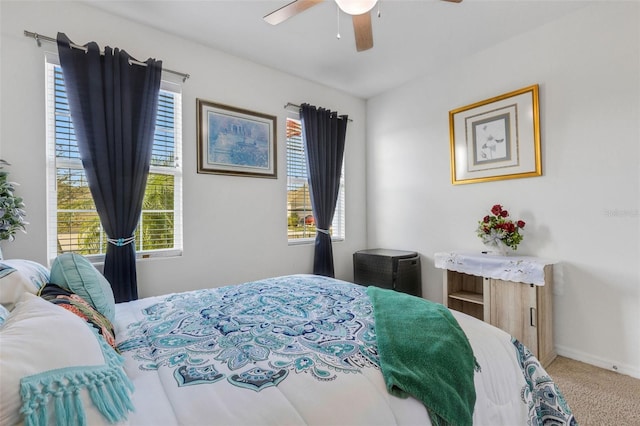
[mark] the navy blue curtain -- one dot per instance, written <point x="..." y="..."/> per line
<point x="323" y="134"/>
<point x="113" y="107"/>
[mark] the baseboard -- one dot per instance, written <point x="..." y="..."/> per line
<point x="628" y="370"/>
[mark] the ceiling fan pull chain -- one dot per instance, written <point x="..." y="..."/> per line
<point x="338" y="19"/>
<point x="379" y="9"/>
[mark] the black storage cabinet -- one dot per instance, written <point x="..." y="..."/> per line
<point x="392" y="269"/>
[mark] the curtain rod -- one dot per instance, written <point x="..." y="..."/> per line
<point x="40" y="37"/>
<point x="297" y="107"/>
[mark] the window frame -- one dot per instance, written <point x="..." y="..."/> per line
<point x="54" y="163"/>
<point x="338" y="226"/>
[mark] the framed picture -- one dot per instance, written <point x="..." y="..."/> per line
<point x="495" y="139"/>
<point x="234" y="141"/>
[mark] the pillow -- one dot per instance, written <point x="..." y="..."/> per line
<point x="74" y="272"/>
<point x="19" y="276"/>
<point x="80" y="307"/>
<point x="4" y="313"/>
<point x="56" y="370"/>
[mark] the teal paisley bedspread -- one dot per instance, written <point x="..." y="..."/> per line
<point x="319" y="326"/>
<point x="545" y="402"/>
<point x="256" y="335"/>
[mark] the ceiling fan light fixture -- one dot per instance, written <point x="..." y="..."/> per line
<point x="356" y="7"/>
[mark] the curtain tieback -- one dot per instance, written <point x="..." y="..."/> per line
<point x="119" y="242"/>
<point x="324" y="231"/>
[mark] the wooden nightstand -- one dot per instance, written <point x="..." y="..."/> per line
<point x="513" y="293"/>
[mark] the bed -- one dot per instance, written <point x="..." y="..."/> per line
<point x="299" y="349"/>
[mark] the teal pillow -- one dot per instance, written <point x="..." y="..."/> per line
<point x="75" y="273"/>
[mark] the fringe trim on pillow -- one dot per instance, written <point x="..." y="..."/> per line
<point x="108" y="387"/>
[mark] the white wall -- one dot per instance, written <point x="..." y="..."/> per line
<point x="583" y="211"/>
<point x="235" y="227"/>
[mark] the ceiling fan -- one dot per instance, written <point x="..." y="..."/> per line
<point x="360" y="11"/>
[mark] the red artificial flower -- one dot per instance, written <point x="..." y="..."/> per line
<point x="498" y="226"/>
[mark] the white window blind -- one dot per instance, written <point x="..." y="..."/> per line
<point x="73" y="223"/>
<point x="301" y="226"/>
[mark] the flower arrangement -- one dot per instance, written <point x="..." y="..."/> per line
<point x="497" y="229"/>
<point x="11" y="208"/>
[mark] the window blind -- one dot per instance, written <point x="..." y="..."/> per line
<point x="300" y="221"/>
<point x="73" y="222"/>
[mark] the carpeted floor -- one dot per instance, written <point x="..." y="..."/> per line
<point x="597" y="396"/>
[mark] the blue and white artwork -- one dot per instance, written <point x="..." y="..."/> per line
<point x="235" y="141"/>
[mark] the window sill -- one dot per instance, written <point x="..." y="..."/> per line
<point x="305" y="241"/>
<point x="98" y="259"/>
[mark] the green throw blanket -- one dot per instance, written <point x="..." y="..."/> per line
<point x="424" y="353"/>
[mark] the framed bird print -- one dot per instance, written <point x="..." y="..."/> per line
<point x="498" y="138"/>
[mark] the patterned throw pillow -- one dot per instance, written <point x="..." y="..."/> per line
<point x="76" y="304"/>
<point x="4" y="314"/>
<point x="19" y="276"/>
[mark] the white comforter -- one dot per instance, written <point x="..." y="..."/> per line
<point x="259" y="354"/>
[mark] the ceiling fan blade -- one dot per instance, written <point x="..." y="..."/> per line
<point x="363" y="32"/>
<point x="454" y="1"/>
<point x="289" y="10"/>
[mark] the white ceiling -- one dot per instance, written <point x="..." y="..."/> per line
<point x="411" y="37"/>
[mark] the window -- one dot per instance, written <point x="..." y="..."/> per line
<point x="300" y="221"/>
<point x="73" y="223"/>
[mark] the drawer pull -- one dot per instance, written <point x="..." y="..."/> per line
<point x="532" y="316"/>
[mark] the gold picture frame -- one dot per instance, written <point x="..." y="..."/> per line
<point x="496" y="139"/>
<point x="235" y="141"/>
